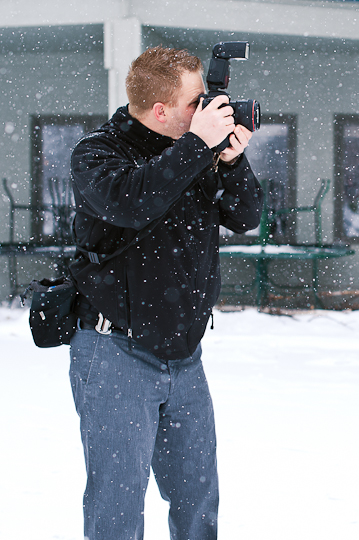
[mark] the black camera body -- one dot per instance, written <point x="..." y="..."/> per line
<point x="245" y="111"/>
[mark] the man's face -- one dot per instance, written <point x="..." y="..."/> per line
<point x="180" y="116"/>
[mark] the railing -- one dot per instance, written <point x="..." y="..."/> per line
<point x="56" y="246"/>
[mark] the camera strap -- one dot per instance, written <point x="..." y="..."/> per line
<point x="216" y="157"/>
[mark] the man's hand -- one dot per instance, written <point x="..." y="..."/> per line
<point x="239" y="141"/>
<point x="212" y="124"/>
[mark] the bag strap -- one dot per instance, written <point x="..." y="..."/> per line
<point x="99" y="258"/>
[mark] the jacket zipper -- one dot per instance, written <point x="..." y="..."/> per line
<point x="127" y="300"/>
<point x="129" y="336"/>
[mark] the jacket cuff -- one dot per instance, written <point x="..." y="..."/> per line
<point x="230" y="166"/>
<point x="195" y="142"/>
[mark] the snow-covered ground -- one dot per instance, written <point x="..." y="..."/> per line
<point x="286" y="396"/>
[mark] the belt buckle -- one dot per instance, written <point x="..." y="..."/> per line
<point x="103" y="325"/>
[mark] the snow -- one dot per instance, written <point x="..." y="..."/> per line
<point x="270" y="249"/>
<point x="285" y="391"/>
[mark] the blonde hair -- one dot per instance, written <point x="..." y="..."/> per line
<point x="155" y="76"/>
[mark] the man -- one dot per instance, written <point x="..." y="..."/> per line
<point x="149" y="202"/>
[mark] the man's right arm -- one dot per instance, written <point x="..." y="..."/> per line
<point x="110" y="185"/>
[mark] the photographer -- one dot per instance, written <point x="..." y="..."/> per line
<point x="148" y="188"/>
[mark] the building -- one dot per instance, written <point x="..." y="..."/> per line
<point x="62" y="71"/>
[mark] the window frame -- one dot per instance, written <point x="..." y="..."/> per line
<point x="341" y="121"/>
<point x="37" y="123"/>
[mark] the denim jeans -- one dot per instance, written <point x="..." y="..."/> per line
<point x="137" y="411"/>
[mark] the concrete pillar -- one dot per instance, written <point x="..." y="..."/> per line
<point x="122" y="44"/>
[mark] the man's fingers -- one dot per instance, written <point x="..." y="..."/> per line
<point x="240" y="137"/>
<point x="243" y="132"/>
<point x="227" y="111"/>
<point x="217" y="101"/>
<point x="216" y="105"/>
<point x="214" y="122"/>
<point x="199" y="106"/>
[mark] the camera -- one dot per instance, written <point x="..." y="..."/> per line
<point x="245" y="111"/>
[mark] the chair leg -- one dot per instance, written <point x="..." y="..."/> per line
<point x="317" y="301"/>
<point x="13" y="276"/>
<point x="262" y="282"/>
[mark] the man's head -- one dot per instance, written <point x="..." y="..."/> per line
<point x="163" y="86"/>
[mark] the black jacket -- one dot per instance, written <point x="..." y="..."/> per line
<point x="134" y="185"/>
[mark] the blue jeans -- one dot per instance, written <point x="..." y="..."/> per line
<point x="136" y="412"/>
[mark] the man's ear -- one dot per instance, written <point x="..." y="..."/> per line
<point x="159" y="112"/>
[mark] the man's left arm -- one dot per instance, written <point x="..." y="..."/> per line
<point x="242" y="199"/>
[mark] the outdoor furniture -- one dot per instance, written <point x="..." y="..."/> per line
<point x="56" y="247"/>
<point x="263" y="253"/>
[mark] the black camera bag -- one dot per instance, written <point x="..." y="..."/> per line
<point x="52" y="318"/>
<point x="52" y="321"/>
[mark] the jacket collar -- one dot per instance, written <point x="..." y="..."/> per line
<point x="137" y="132"/>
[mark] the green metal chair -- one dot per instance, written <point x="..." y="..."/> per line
<point x="269" y="217"/>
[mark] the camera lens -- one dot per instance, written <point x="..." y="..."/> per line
<point x="247" y="113"/>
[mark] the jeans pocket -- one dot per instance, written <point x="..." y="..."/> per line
<point x="84" y="363"/>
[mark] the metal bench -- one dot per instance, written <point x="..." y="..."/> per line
<point x="264" y="252"/>
<point x="57" y="247"/>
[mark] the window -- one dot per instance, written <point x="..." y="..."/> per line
<point x="346" y="171"/>
<point x="54" y="137"/>
<point x="272" y="155"/>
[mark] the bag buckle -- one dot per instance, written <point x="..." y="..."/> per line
<point x="103" y="325"/>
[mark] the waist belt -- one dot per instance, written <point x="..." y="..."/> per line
<point x="91" y="319"/>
